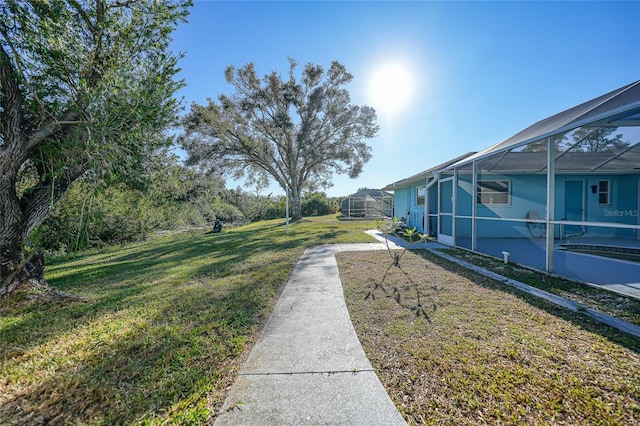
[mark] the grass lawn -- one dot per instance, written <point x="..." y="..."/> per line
<point x="454" y="347"/>
<point x="163" y="333"/>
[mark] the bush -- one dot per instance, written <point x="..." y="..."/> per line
<point x="226" y="212"/>
<point x="276" y="210"/>
<point x="315" y="204"/>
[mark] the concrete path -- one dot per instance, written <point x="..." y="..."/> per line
<point x="308" y="366"/>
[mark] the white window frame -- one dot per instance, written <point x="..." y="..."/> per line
<point x="480" y="192"/>
<point x="424" y="195"/>
<point x="607" y="193"/>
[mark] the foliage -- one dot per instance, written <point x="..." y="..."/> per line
<point x="86" y="90"/>
<point x="251" y="204"/>
<point x="583" y="139"/>
<point x="167" y="196"/>
<point x="316" y="204"/>
<point x="226" y="212"/>
<point x="395" y="226"/>
<point x="276" y="209"/>
<point x="298" y="132"/>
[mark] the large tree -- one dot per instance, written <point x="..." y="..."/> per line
<point x="86" y="86"/>
<point x="299" y="131"/>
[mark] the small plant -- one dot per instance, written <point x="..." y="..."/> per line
<point x="397" y="227"/>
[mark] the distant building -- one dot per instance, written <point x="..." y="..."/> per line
<point x="368" y="203"/>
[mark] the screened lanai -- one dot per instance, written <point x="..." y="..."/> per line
<point x="567" y="185"/>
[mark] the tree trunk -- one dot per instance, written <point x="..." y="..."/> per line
<point x="296" y="208"/>
<point x="18" y="218"/>
<point x="16" y="267"/>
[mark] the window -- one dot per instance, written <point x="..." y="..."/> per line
<point x="494" y="192"/>
<point x="604" y="192"/>
<point x="420" y="191"/>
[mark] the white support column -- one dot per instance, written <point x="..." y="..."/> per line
<point x="287" y="211"/>
<point x="434" y="182"/>
<point x="474" y="205"/>
<point x="453" y="205"/>
<point x="425" y="210"/>
<point x="551" y="199"/>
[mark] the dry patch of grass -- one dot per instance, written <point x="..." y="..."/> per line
<point x="454" y="347"/>
<point x="623" y="307"/>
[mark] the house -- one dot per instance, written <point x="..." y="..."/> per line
<point x="566" y="184"/>
<point x="368" y="203"/>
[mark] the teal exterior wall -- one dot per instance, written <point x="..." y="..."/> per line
<point x="528" y="193"/>
<point x="405" y="206"/>
<point x="622" y="208"/>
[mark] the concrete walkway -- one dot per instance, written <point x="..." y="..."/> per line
<point x="308" y="366"/>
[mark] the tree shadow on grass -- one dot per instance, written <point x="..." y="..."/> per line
<point x="408" y="297"/>
<point x="181" y="353"/>
<point x="160" y="347"/>
<point x="120" y="280"/>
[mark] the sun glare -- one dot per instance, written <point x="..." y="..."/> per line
<point x="390" y="87"/>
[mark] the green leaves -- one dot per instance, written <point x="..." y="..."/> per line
<point x="85" y="86"/>
<point x="394" y="227"/>
<point x="82" y="57"/>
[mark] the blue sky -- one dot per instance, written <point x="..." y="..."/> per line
<point x="481" y="71"/>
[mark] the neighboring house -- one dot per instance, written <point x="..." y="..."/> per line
<point x="368" y="203"/>
<point x="572" y="176"/>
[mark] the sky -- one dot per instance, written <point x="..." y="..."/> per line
<point x="462" y="76"/>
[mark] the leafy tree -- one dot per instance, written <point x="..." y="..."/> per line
<point x="598" y="139"/>
<point x="315" y="204"/>
<point x="167" y="196"/>
<point x="583" y="139"/>
<point x="277" y="209"/>
<point x="253" y="204"/>
<point x="298" y="132"/>
<point x="86" y="89"/>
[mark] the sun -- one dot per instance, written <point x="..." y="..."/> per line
<point x="390" y="87"/>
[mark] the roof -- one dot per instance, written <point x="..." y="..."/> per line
<point x="568" y="162"/>
<point x="374" y="193"/>
<point x="620" y="107"/>
<point x="422" y="176"/>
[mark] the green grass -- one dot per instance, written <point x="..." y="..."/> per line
<point x="163" y="333"/>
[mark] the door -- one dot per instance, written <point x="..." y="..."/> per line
<point x="573" y="207"/>
<point x="574" y="200"/>
<point x="431" y="211"/>
<point x="445" y="211"/>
